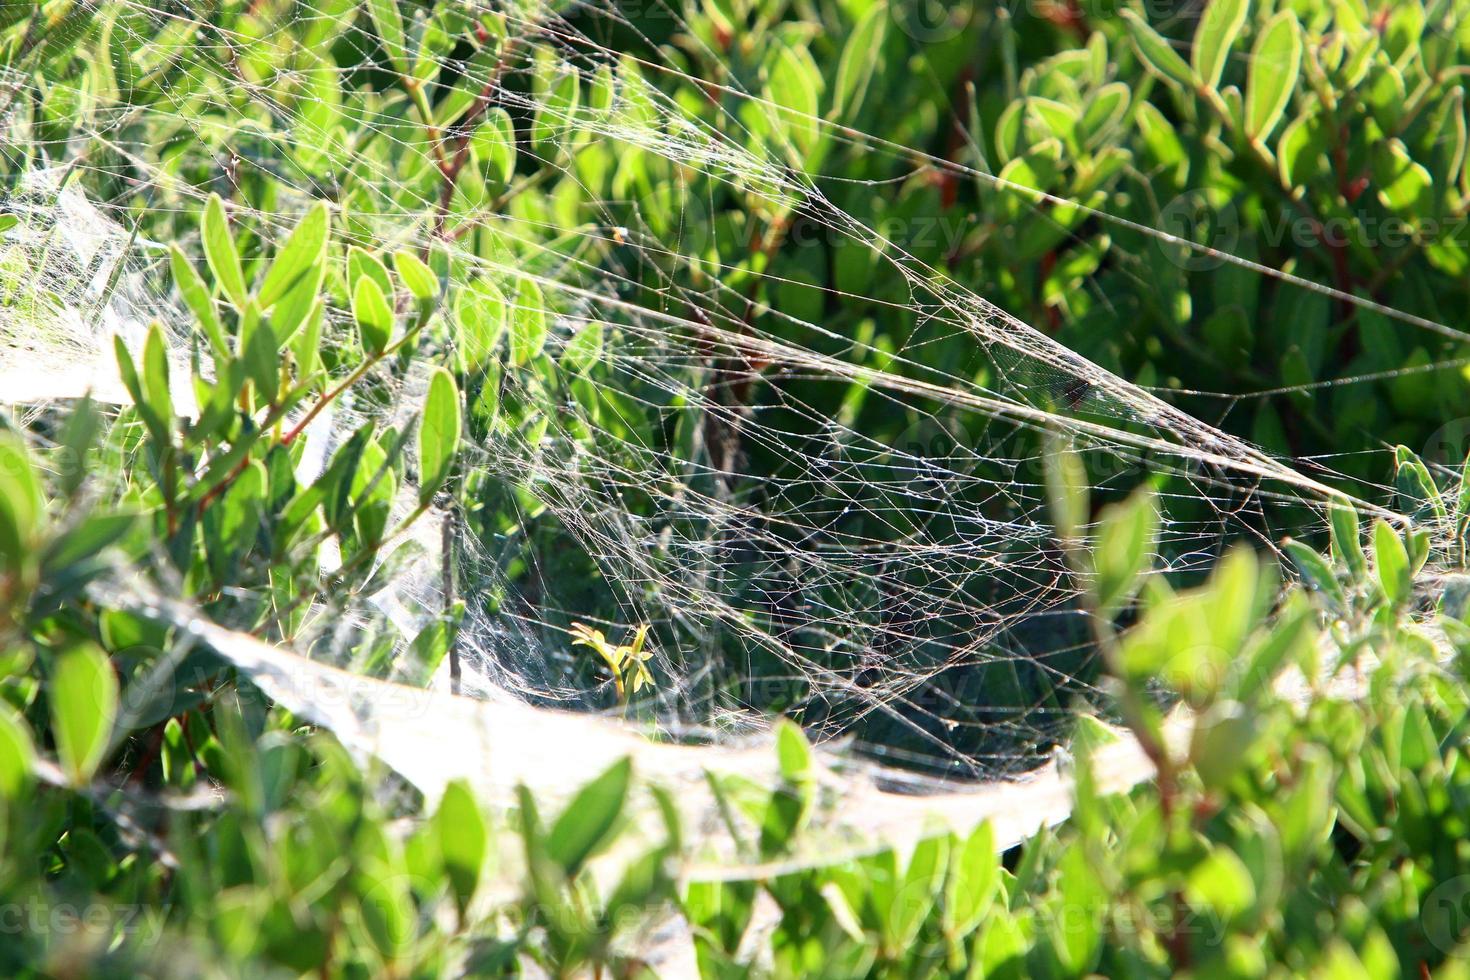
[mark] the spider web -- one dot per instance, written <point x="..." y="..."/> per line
<point x="831" y="515"/>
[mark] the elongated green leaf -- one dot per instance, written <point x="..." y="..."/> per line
<point x="1156" y="52"/>
<point x="1217" y="31"/>
<point x="199" y="300"/>
<point x="588" y="821"/>
<point x="17" y="755"/>
<point x="495" y="143"/>
<point x="302" y="259"/>
<point x="417" y="276"/>
<point x="155" y="374"/>
<point x="361" y="262"/>
<point x="83" y="699"/>
<point x="219" y="251"/>
<point x="527" y="324"/>
<point x="1124" y="541"/>
<point x="373" y="315"/>
<point x="463" y="839"/>
<point x="1392" y="560"/>
<point x="388" y="22"/>
<point x="439" y="430"/>
<point x="1222" y="884"/>
<point x="1067" y="491"/>
<point x="21" y="500"/>
<point x="793" y="752"/>
<point x="1347" y="538"/>
<point x="480" y="313"/>
<point x="385" y="907"/>
<point x="1275" y="62"/>
<point x="1416" y="487"/>
<point x="861" y="56"/>
<point x="1316" y="570"/>
<point x="306" y="342"/>
<point x="972" y="881"/>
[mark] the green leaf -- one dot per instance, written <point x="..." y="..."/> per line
<point x="21" y="501"/>
<point x="1067" y="491"/>
<point x="7" y="222"/>
<point x="861" y="56"/>
<point x="1347" y="541"/>
<point x="1416" y="487"/>
<point x="373" y="315"/>
<point x="386" y="907"/>
<point x="480" y="314"/>
<point x="388" y="22"/>
<point x="1306" y="814"/>
<point x="527" y="324"/>
<point x="417" y="276"/>
<point x="1125" y="540"/>
<point x="923" y="884"/>
<point x="83" y="698"/>
<point x="584" y="350"/>
<point x="463" y="839"/>
<point x="972" y="882"/>
<point x="17" y="755"/>
<point x="588" y="821"/>
<point x="197" y="297"/>
<point x="793" y="752"/>
<point x="495" y="143"/>
<point x="361" y="262"/>
<point x="794" y="86"/>
<point x="67" y="553"/>
<point x="258" y="355"/>
<point x="1316" y="570"/>
<point x="556" y="115"/>
<point x="1078" y="936"/>
<point x="155" y="374"/>
<point x="1157" y="53"/>
<point x="1217" y="31"/>
<point x="1404" y="185"/>
<point x="219" y="251"/>
<point x="306" y="342"/>
<point x="1275" y="63"/>
<point x="439" y="430"/>
<point x="1223" y="735"/>
<point x="302" y="261"/>
<point x="1222" y="884"/>
<point x="1392" y="561"/>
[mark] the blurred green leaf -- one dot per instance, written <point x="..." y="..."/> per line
<point x="1157" y="53"/>
<point x="219" y="251"/>
<point x="1125" y="540"/>
<point x="588" y="822"/>
<point x="1275" y="61"/>
<point x="417" y="276"/>
<point x="1392" y="561"/>
<point x="373" y="315"/>
<point x="1217" y="31"/>
<point x="83" y="695"/>
<point x="301" y="261"/>
<point x="463" y="840"/>
<point x="439" y="430"/>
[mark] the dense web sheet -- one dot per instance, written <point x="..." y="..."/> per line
<point x="650" y="443"/>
